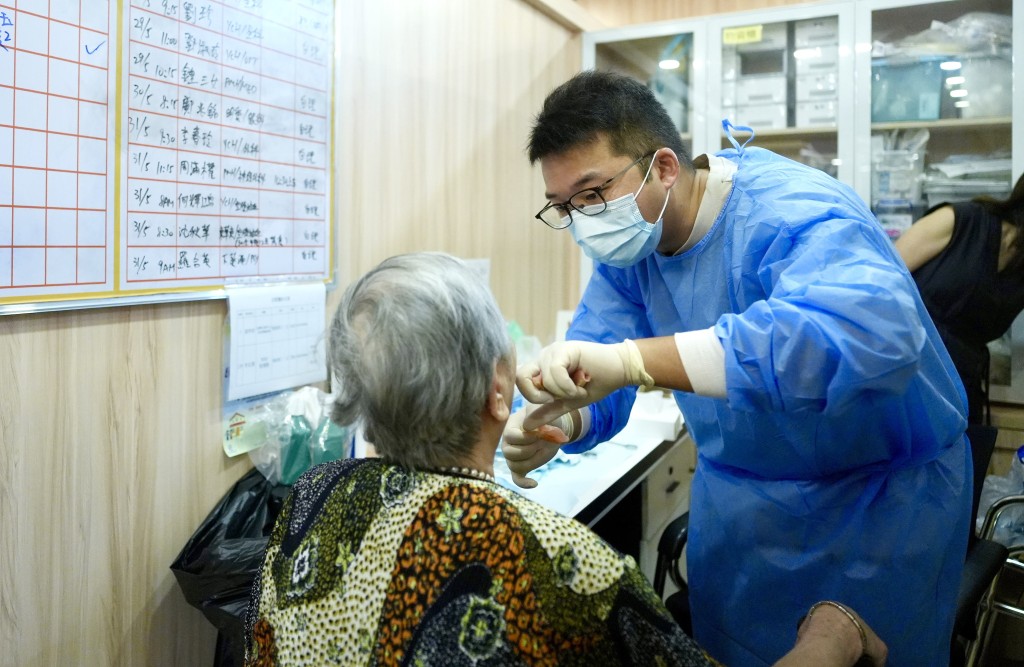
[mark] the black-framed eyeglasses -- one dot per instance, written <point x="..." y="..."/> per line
<point x="588" y="202"/>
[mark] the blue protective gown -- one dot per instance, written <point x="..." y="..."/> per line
<point x="836" y="467"/>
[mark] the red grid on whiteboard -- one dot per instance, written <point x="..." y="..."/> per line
<point x="54" y="62"/>
<point x="225" y="178"/>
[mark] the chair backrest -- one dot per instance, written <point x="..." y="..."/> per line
<point x="984" y="557"/>
<point x="983" y="443"/>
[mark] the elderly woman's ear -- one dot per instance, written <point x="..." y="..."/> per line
<point x="500" y="394"/>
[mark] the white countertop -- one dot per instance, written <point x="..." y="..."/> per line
<point x="571" y="482"/>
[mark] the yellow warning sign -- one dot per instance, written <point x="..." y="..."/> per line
<point x="743" y="35"/>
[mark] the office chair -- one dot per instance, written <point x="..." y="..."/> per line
<point x="670" y="550"/>
<point x="984" y="559"/>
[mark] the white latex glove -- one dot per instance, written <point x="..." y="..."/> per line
<point x="580" y="373"/>
<point x="527" y="450"/>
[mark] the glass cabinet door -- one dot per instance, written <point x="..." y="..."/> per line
<point x="664" y="61"/>
<point x="783" y="79"/>
<point x="941" y="86"/>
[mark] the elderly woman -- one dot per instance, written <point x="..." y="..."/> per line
<point x="419" y="557"/>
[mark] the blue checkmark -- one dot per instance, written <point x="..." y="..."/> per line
<point x="92" y="51"/>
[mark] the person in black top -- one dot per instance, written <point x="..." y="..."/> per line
<point x="967" y="261"/>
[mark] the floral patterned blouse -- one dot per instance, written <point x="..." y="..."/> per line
<point x="371" y="564"/>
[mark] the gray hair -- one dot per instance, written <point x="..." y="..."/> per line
<point x="413" y="348"/>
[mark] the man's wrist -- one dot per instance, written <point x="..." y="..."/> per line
<point x="832" y="624"/>
<point x="633" y="365"/>
<point x="576" y="421"/>
<point x="571" y="423"/>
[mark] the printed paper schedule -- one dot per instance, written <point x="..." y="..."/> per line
<point x="160" y="146"/>
<point x="226" y="136"/>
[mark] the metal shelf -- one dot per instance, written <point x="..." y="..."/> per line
<point x="796" y="132"/>
<point x="947" y="124"/>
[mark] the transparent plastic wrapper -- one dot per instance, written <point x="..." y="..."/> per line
<point x="973" y="32"/>
<point x="527" y="347"/>
<point x="812" y="157"/>
<point x="299" y="435"/>
<point x="1009" y="530"/>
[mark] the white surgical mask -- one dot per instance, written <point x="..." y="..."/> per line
<point x="619" y="236"/>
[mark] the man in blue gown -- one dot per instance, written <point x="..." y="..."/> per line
<point x="828" y="417"/>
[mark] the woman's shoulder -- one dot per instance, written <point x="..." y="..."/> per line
<point x="578" y="557"/>
<point x="547" y="525"/>
<point x="969" y="213"/>
<point x="443" y="509"/>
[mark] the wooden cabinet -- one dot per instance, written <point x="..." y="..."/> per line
<point x="1010" y="422"/>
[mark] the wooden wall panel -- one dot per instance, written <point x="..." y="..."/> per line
<point x="109" y="421"/>
<point x="444" y="99"/>
<point x="110" y="418"/>
<point x="617" y="13"/>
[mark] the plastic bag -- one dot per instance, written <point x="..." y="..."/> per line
<point x="973" y="33"/>
<point x="528" y="348"/>
<point x="216" y="567"/>
<point x="1009" y="529"/>
<point x="299" y="435"/>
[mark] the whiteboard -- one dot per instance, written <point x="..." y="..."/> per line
<point x="162" y="149"/>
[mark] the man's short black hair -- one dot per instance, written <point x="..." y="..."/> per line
<point x="595" y="102"/>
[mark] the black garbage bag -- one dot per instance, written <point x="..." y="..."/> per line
<point x="218" y="564"/>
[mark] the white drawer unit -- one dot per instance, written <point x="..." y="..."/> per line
<point x="728" y="94"/>
<point x="761" y="90"/>
<point x="814" y="87"/>
<point x="817" y="60"/>
<point x="755" y="64"/>
<point x="821" y="113"/>
<point x="666" y="495"/>
<point x="730" y="63"/>
<point x="758" y="116"/>
<point x="773" y="36"/>
<point x="666" y="491"/>
<point x="764" y="116"/>
<point x="822" y="31"/>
